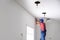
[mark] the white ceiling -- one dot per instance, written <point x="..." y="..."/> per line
<point x="51" y="7"/>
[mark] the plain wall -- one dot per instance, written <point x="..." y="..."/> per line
<point x="53" y="30"/>
<point x="13" y="21"/>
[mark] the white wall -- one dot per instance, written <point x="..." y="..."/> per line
<point x="53" y="30"/>
<point x="37" y="32"/>
<point x="13" y="21"/>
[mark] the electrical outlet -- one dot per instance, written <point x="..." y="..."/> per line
<point x="21" y="34"/>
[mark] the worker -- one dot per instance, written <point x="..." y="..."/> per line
<point x="43" y="29"/>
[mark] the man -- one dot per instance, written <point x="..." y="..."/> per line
<point x="43" y="29"/>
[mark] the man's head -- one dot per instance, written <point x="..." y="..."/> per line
<point x="41" y="20"/>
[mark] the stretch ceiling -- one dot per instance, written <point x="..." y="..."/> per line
<point x="51" y="7"/>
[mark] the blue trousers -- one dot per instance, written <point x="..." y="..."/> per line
<point x="43" y="34"/>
